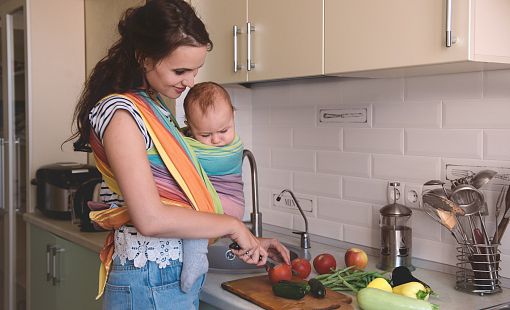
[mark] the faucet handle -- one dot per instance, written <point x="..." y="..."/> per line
<point x="305" y="239"/>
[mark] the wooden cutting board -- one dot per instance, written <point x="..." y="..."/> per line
<point x="258" y="290"/>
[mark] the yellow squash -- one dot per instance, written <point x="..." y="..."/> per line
<point x="414" y="290"/>
<point x="380" y="283"/>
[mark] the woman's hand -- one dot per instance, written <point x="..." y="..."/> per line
<point x="275" y="250"/>
<point x="251" y="250"/>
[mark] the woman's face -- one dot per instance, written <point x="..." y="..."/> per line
<point x="174" y="73"/>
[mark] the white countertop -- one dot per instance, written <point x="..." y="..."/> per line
<point x="442" y="283"/>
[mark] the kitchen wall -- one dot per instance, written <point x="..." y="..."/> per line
<point x="416" y="126"/>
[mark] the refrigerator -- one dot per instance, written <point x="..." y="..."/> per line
<point x="13" y="155"/>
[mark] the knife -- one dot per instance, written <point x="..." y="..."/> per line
<point x="269" y="264"/>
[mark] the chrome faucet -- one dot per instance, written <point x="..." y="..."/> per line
<point x="255" y="216"/>
<point x="305" y="237"/>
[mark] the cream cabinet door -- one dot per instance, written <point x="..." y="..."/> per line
<point x="287" y="41"/>
<point x="220" y="17"/>
<point x="371" y="34"/>
<point x="101" y="20"/>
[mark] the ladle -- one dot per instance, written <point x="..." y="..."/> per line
<point x="436" y="182"/>
<point x="445" y="218"/>
<point x="468" y="198"/>
<point x="482" y="177"/>
<point x="441" y="202"/>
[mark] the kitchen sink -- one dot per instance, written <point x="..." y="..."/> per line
<point x="503" y="306"/>
<point x="222" y="260"/>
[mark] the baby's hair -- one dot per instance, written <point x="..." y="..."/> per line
<point x="205" y="94"/>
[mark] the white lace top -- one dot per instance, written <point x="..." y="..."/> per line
<point x="129" y="244"/>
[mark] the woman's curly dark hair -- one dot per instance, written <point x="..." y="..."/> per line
<point x="151" y="31"/>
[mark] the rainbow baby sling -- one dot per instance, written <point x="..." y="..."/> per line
<point x="223" y="166"/>
<point x="172" y="155"/>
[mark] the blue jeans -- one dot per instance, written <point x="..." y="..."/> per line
<point x="149" y="288"/>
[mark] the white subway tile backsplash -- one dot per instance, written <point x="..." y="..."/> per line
<point x="505" y="266"/>
<point x="317" y="138"/>
<point x="273" y="136"/>
<point x="416" y="169"/>
<point x="319" y="184"/>
<point x="371" y="90"/>
<point x="364" y="190"/>
<point x="449" y="86"/>
<point x="309" y="92"/>
<point x="353" y="164"/>
<point x="424" y="227"/>
<point x="294" y="116"/>
<point x="362" y="235"/>
<point x="274" y="178"/>
<point x="495" y="84"/>
<point x="463" y="143"/>
<point x="261" y="117"/>
<point x="345" y="211"/>
<point x="282" y="219"/>
<point x="269" y="94"/>
<point x="330" y="229"/>
<point x="384" y="141"/>
<point x="299" y="160"/>
<point x="490" y="113"/>
<point x="262" y="156"/>
<point x="496" y="144"/>
<point x="426" y="114"/>
<point x="415" y="127"/>
<point x="434" y="251"/>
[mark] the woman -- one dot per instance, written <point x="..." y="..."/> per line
<point x="148" y="171"/>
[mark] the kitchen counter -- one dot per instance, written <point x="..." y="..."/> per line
<point x="213" y="294"/>
<point x="442" y="283"/>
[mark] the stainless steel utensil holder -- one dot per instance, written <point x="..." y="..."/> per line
<point x="478" y="268"/>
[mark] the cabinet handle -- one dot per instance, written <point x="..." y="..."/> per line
<point x="249" y="29"/>
<point x="448" y="23"/>
<point x="236" y="32"/>
<point x="55" y="277"/>
<point x="2" y="158"/>
<point x="49" y="265"/>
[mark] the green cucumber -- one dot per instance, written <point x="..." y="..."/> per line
<point x="376" y="299"/>
<point x="290" y="290"/>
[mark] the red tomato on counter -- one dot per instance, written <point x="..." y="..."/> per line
<point x="323" y="263"/>
<point x="302" y="267"/>
<point x="279" y="272"/>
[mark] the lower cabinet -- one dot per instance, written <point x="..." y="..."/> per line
<point x="63" y="275"/>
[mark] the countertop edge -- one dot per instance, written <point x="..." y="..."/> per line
<point x="66" y="229"/>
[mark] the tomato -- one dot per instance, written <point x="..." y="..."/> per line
<point x="280" y="272"/>
<point x="302" y="267"/>
<point x="323" y="263"/>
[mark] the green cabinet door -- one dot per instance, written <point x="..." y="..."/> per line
<point x="43" y="293"/>
<point x="63" y="275"/>
<point x="77" y="277"/>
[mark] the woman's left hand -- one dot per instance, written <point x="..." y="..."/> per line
<point x="275" y="250"/>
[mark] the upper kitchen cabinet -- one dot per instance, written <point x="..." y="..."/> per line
<point x="401" y="37"/>
<point x="274" y="39"/>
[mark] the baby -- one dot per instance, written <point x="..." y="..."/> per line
<point x="211" y="133"/>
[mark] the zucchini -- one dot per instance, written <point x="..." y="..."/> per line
<point x="290" y="290"/>
<point x="317" y="289"/>
<point x="375" y="299"/>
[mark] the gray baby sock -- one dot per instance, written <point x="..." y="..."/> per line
<point x="194" y="261"/>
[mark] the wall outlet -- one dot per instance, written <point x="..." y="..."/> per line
<point x="393" y="191"/>
<point x="412" y="195"/>
<point x="287" y="202"/>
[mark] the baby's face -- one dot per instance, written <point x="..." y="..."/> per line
<point x="216" y="127"/>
